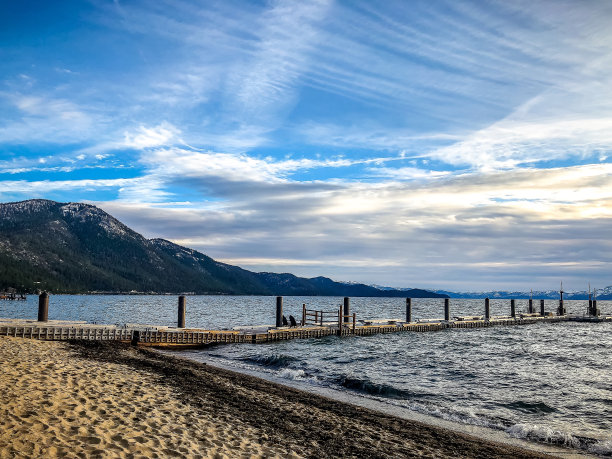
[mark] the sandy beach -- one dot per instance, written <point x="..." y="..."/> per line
<point x="100" y="400"/>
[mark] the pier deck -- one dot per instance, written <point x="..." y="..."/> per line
<point x="160" y="336"/>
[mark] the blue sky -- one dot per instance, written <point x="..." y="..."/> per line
<point x="445" y="144"/>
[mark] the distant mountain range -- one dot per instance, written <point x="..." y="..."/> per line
<point x="79" y="248"/>
<point x="602" y="294"/>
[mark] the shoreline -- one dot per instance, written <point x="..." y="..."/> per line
<point x="475" y="430"/>
<point x="104" y="400"/>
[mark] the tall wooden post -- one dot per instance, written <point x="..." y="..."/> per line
<point x="303" y="315"/>
<point x="487" y="309"/>
<point x="447" y="309"/>
<point x="43" y="307"/>
<point x="340" y="321"/>
<point x="409" y="310"/>
<point x="530" y="305"/>
<point x="347" y="309"/>
<point x="279" y="311"/>
<point x="561" y="310"/>
<point x="181" y="311"/>
<point x="595" y="310"/>
<point x="512" y="308"/>
<point x="542" y="312"/>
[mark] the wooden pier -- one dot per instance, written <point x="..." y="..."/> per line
<point x="11" y="294"/>
<point x="314" y="324"/>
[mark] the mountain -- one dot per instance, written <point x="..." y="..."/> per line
<point x="77" y="248"/>
<point x="602" y="294"/>
<point x="288" y="284"/>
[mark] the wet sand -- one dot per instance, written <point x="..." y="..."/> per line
<point x="92" y="399"/>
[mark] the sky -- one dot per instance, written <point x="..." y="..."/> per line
<point x="434" y="144"/>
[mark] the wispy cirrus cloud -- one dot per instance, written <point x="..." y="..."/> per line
<point x="44" y="118"/>
<point x="560" y="123"/>
<point x="406" y="140"/>
<point x="286" y="41"/>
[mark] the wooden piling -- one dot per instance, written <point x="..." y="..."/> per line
<point x="513" y="309"/>
<point x="347" y="309"/>
<point x="530" y="306"/>
<point x="561" y="310"/>
<point x="542" y="311"/>
<point x="487" y="309"/>
<point x="595" y="311"/>
<point x="279" y="311"/>
<point x="43" y="307"/>
<point x="303" y="315"/>
<point x="447" y="309"/>
<point x="408" y="310"/>
<point x="181" y="312"/>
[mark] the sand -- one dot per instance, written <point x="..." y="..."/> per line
<point x="100" y="400"/>
<point x="54" y="403"/>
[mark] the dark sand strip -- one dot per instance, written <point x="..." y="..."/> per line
<point x="296" y="421"/>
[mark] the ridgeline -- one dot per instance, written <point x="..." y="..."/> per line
<point x="79" y="248"/>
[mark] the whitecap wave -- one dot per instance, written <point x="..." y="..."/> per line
<point x="288" y="373"/>
<point x="543" y="434"/>
<point x="602" y="447"/>
<point x="466" y="416"/>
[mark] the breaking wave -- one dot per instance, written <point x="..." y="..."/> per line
<point x="371" y="388"/>
<point x="272" y="361"/>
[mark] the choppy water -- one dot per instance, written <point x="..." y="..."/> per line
<point x="543" y="382"/>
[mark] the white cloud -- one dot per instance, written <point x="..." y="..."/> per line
<point x="371" y="136"/>
<point x="406" y="173"/>
<point x="45" y="118"/>
<point x="396" y="232"/>
<point x="555" y="125"/>
<point x="148" y="137"/>
<point x="509" y="85"/>
<point x="177" y="163"/>
<point x="286" y="36"/>
<point x="41" y="188"/>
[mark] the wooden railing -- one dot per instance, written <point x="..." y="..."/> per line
<point x="316" y="317"/>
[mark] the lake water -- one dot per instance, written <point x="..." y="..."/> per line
<point x="541" y="382"/>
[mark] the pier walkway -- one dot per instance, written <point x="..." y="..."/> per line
<point x="312" y="325"/>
